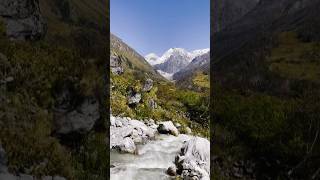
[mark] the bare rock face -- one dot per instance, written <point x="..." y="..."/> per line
<point x="74" y="113"/>
<point x="148" y="85"/>
<point x="134" y="97"/>
<point x="194" y="160"/>
<point x="79" y="120"/>
<point x="115" y="65"/>
<point x="23" y="19"/>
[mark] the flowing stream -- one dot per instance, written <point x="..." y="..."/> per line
<point x="151" y="162"/>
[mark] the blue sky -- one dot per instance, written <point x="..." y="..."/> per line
<point x="157" y="25"/>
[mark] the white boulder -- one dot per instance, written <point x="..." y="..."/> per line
<point x="194" y="160"/>
<point x="167" y="127"/>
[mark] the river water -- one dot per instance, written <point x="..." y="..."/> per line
<point x="151" y="162"/>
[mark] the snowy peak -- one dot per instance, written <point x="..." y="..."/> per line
<point x="152" y="59"/>
<point x="174" y="60"/>
<point x="199" y="52"/>
<point x="176" y="52"/>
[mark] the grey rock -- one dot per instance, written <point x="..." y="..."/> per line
<point x="7" y="80"/>
<point x="28" y="28"/>
<point x="117" y="70"/>
<point x="117" y="134"/>
<point x="152" y="104"/>
<point x="115" y="65"/>
<point x="134" y="98"/>
<point x="127" y="145"/>
<point x="194" y="160"/>
<point x="16" y="8"/>
<point x="148" y="85"/>
<point x="80" y="120"/>
<point x="136" y="136"/>
<point x="23" y="19"/>
<point x="150" y="123"/>
<point x="135" y="130"/>
<point x="65" y="98"/>
<point x="172" y="171"/>
<point x="167" y="127"/>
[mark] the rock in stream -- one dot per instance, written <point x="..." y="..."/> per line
<point x="140" y="152"/>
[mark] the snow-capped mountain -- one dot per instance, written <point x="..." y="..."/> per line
<point x="174" y="59"/>
<point x="198" y="63"/>
<point x="199" y="52"/>
<point x="153" y="59"/>
<point x="176" y="52"/>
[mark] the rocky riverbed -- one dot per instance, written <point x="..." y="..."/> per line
<point x="149" y="150"/>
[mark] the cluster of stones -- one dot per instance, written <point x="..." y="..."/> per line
<point x="126" y="133"/>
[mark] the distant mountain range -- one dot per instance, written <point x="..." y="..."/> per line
<point x="175" y="60"/>
<point x="198" y="63"/>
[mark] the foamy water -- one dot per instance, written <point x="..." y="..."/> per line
<point x="152" y="161"/>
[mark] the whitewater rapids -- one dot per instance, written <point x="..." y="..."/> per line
<point x="151" y="161"/>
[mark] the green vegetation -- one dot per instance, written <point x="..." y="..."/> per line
<point x="279" y="133"/>
<point x="186" y="107"/>
<point x="295" y="59"/>
<point x="134" y="64"/>
<point x="37" y="70"/>
<point x="261" y="126"/>
<point x="201" y="80"/>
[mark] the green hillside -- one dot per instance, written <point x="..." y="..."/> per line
<point x="266" y="94"/>
<point x="133" y="62"/>
<point x="294" y="59"/>
<point x="189" y="108"/>
<point x="34" y="73"/>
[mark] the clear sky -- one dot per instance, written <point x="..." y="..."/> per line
<point x="157" y="25"/>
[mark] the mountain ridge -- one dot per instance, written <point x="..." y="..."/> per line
<point x="173" y="60"/>
<point x="131" y="59"/>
